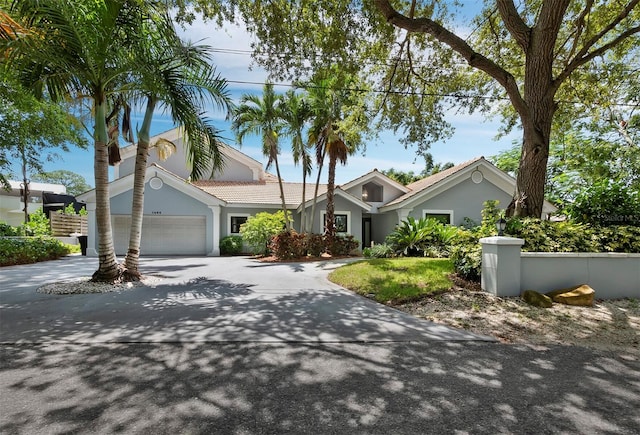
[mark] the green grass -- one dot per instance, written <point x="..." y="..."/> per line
<point x="395" y="279"/>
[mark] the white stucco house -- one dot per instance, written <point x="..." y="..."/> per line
<point x="190" y="218"/>
<point x="12" y="203"/>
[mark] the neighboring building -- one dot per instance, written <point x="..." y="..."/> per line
<point x="184" y="218"/>
<point x="12" y="205"/>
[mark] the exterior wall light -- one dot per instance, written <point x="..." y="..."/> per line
<point x="501" y="224"/>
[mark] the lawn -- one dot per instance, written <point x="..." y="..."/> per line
<point x="395" y="279"/>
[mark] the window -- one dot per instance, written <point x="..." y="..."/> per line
<point x="342" y="221"/>
<point x="372" y="192"/>
<point x="235" y="222"/>
<point x="444" y="216"/>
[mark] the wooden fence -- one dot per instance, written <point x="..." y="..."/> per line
<point x="65" y="224"/>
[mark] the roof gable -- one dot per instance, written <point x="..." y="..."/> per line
<point x="125" y="184"/>
<point x="234" y="160"/>
<point x="438" y="183"/>
<point x="374" y="175"/>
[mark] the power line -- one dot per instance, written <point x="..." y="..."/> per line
<point x="406" y="93"/>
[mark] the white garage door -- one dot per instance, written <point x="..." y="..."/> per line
<point x="163" y="235"/>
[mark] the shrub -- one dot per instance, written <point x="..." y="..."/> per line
<point x="231" y="245"/>
<point x="38" y="225"/>
<point x="341" y="245"/>
<point x="30" y="250"/>
<point x="8" y="230"/>
<point x="315" y="245"/>
<point x="381" y="250"/>
<point x="288" y="245"/>
<point x="606" y="203"/>
<point x="258" y="230"/>
<point x="466" y="255"/>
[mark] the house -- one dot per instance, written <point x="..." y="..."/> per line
<point x="12" y="202"/>
<point x="190" y="218"/>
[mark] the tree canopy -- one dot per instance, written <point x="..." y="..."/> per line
<point x="523" y="61"/>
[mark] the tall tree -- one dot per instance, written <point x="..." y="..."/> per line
<point x="554" y="39"/>
<point x="296" y="114"/>
<point x="179" y="76"/>
<point x="526" y="54"/>
<point x="335" y="102"/>
<point x="263" y="117"/>
<point x="73" y="182"/>
<point x="81" y="48"/>
<point x="32" y="132"/>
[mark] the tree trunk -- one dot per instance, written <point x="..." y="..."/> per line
<point x="331" y="182"/>
<point x="284" y="203"/>
<point x="303" y="215"/>
<point x="108" y="268"/>
<point x="315" y="192"/>
<point x="132" y="260"/>
<point x="25" y="186"/>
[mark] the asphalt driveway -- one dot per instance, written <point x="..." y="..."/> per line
<point x="233" y="346"/>
<point x="204" y="299"/>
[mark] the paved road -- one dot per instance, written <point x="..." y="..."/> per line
<point x="266" y="355"/>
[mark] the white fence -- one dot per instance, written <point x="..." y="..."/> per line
<point x="508" y="272"/>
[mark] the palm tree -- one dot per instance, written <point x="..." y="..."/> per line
<point x="325" y="132"/>
<point x="81" y="49"/>
<point x="263" y="117"/>
<point x="296" y="113"/>
<point x="181" y="77"/>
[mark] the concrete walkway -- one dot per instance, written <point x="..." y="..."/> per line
<point x="201" y="300"/>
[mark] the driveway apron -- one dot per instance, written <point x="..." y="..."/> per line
<point x="204" y="299"/>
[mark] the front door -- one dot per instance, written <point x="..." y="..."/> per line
<point x="366" y="232"/>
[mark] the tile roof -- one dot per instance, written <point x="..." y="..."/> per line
<point x="420" y="185"/>
<point x="259" y="192"/>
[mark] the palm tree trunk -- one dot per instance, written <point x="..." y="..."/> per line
<point x="108" y="267"/>
<point x="303" y="216"/>
<point x="132" y="260"/>
<point x="284" y="203"/>
<point x="315" y="193"/>
<point x="331" y="182"/>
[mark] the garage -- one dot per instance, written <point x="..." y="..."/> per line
<point x="163" y="235"/>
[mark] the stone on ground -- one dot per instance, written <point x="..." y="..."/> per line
<point x="581" y="295"/>
<point x="536" y="299"/>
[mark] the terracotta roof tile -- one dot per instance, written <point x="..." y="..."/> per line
<point x="261" y="192"/>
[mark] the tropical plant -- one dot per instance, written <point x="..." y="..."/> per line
<point x="422" y="237"/>
<point x="296" y="113"/>
<point x="87" y="50"/>
<point x="380" y="250"/>
<point x="262" y="117"/>
<point x="331" y="132"/>
<point x="180" y="76"/>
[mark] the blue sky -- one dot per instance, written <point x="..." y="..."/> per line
<point x="474" y="136"/>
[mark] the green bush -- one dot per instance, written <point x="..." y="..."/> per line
<point x="606" y="203"/>
<point x="426" y="237"/>
<point x="30" y="250"/>
<point x="38" y="225"/>
<point x="231" y="245"/>
<point x="381" y="250"/>
<point x="545" y="236"/>
<point x="8" y="230"/>
<point x="258" y="230"/>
